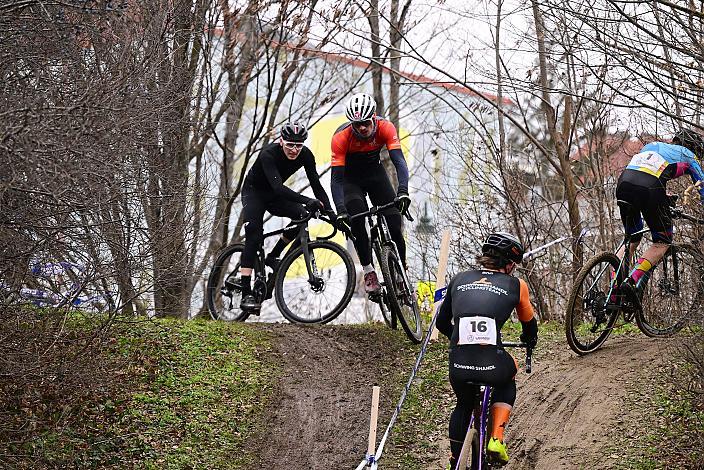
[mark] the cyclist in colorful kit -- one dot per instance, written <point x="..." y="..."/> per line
<point x="642" y="186"/>
<point x="477" y="304"/>
<point x="264" y="191"/>
<point x="357" y="171"/>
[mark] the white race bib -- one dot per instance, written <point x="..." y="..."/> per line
<point x="649" y="162"/>
<point x="477" y="330"/>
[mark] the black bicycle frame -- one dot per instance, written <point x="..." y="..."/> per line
<point x="303" y="236"/>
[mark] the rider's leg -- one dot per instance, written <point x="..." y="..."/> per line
<point x="502" y="399"/>
<point x="459" y="419"/>
<point x="657" y="216"/>
<point x="355" y="203"/>
<point x="253" y="214"/>
<point x="293" y="210"/>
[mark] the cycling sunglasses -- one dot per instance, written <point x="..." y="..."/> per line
<point x="292" y="145"/>
<point x="366" y="123"/>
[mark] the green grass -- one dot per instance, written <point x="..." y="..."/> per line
<point x="182" y="395"/>
<point x="672" y="437"/>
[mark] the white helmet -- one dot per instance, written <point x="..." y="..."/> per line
<point x="360" y="107"/>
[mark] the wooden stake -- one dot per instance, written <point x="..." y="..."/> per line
<point x="442" y="271"/>
<point x="371" y="448"/>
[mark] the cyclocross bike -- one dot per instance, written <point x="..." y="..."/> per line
<point x="473" y="455"/>
<point x="57" y="285"/>
<point x="397" y="300"/>
<point x="673" y="294"/>
<point x="313" y="283"/>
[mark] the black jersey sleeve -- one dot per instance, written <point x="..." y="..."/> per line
<point x="397" y="158"/>
<point x="444" y="321"/>
<point x="275" y="181"/>
<point x="314" y="180"/>
<point x="337" y="187"/>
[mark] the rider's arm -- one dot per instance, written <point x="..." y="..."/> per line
<point x="695" y="171"/>
<point x="274" y="179"/>
<point x="388" y="135"/>
<point x="337" y="173"/>
<point x="444" y="321"/>
<point x="524" y="309"/>
<point x="314" y="180"/>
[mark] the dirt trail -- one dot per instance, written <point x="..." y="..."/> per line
<point x="564" y="412"/>
<point x="567" y="407"/>
<point x="321" y="420"/>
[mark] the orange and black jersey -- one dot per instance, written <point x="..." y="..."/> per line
<point x="354" y="158"/>
<point x="350" y="151"/>
<point x="486" y="294"/>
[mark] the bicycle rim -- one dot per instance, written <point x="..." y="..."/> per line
<point x="587" y="321"/>
<point x="672" y="296"/>
<point x="224" y="303"/>
<point x="302" y="302"/>
<point x="401" y="297"/>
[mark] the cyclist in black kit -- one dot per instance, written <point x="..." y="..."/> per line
<point x="264" y="190"/>
<point x="356" y="171"/>
<point x="485" y="296"/>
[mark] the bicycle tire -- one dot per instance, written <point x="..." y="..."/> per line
<point x="215" y="281"/>
<point x="336" y="261"/>
<point x="386" y="313"/>
<point x="573" y="325"/>
<point x="666" y="306"/>
<point x="404" y="306"/>
<point x="469" y="455"/>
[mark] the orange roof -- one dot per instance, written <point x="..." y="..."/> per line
<point x="355" y="62"/>
<point x="618" y="148"/>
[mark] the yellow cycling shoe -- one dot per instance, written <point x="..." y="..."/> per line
<point x="496" y="452"/>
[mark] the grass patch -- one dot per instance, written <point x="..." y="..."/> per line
<point x="165" y="394"/>
<point x="668" y="432"/>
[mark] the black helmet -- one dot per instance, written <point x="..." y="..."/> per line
<point x="294" y="132"/>
<point x="503" y="245"/>
<point x="691" y="140"/>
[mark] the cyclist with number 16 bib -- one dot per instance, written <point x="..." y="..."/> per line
<point x="642" y="186"/>
<point x="476" y="306"/>
<point x="357" y="172"/>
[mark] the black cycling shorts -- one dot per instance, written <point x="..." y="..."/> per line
<point x="647" y="199"/>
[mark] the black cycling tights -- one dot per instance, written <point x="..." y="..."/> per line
<point x="380" y="191"/>
<point x="466" y="401"/>
<point x="254" y="204"/>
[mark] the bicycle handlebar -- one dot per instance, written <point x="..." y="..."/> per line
<point x="318" y="214"/>
<point x="529" y="353"/>
<point x="678" y="213"/>
<point x="374" y="209"/>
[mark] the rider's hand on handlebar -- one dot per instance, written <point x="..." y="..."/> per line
<point x="403" y="201"/>
<point x="314" y="205"/>
<point x="343" y="222"/>
<point x="530" y="341"/>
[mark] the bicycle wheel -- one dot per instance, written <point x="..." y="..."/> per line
<point x="590" y="315"/>
<point x="401" y="297"/>
<point x="469" y="455"/>
<point x="52" y="285"/>
<point x="301" y="301"/>
<point x="381" y="299"/>
<point x="223" y="290"/>
<point x="673" y="294"/>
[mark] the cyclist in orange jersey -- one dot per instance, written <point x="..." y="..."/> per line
<point x="357" y="172"/>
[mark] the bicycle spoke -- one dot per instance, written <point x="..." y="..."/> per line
<point x="322" y="298"/>
<point x="592" y="306"/>
<point x="672" y="296"/>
